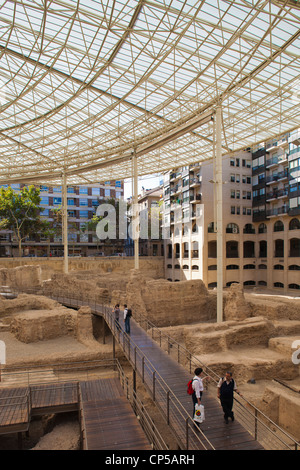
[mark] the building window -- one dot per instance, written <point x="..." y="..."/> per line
<point x="44" y="201"/>
<point x="278" y="267"/>
<point x="232" y="228"/>
<point x="249" y="249"/>
<point x="84" y="214"/>
<point x="210" y="228"/>
<point x="263" y="249"/>
<point x="294" y="224"/>
<point x="83" y="190"/>
<point x="212" y="267"/>
<point x="294" y="286"/>
<point x="262" y="228"/>
<point x="83" y="202"/>
<point x="279" y="248"/>
<point x="278" y="284"/>
<point x="232" y="249"/>
<point x="294" y="267"/>
<point x="57" y="201"/>
<point x="212" y="249"/>
<point x="262" y="266"/>
<point x="295" y="247"/>
<point x="278" y="226"/>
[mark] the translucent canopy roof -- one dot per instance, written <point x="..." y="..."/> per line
<point x="86" y="83"/>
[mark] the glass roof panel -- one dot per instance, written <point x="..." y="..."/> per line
<point x="84" y="83"/>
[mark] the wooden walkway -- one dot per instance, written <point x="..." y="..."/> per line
<point x="14" y="410"/>
<point x="108" y="420"/>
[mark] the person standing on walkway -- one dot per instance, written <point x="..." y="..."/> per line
<point x="197" y="385"/>
<point x="226" y="389"/>
<point x="116" y="312"/>
<point x="127" y="315"/>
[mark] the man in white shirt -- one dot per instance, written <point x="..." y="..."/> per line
<point x="197" y="385"/>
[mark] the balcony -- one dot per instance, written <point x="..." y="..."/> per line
<point x="282" y="193"/>
<point x="272" y="162"/>
<point x="277" y="211"/>
<point x="195" y="198"/>
<point x="176" y="190"/>
<point x="195" y="181"/>
<point x="295" y="139"/>
<point x="280" y="176"/>
<point x="175" y="176"/>
<point x="277" y="143"/>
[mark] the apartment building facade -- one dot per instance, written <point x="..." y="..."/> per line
<point x="191" y="248"/>
<point x="276" y="213"/>
<point x="82" y="204"/>
<point x="261" y="223"/>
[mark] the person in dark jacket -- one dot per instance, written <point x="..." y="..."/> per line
<point x="226" y="389"/>
<point x="127" y="315"/>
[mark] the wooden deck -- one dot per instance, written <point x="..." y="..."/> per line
<point x="108" y="419"/>
<point x="14" y="410"/>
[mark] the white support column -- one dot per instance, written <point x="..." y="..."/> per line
<point x="65" y="224"/>
<point x="219" y="213"/>
<point x="135" y="224"/>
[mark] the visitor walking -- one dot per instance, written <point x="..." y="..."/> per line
<point x="127" y="315"/>
<point x="197" y="386"/>
<point x="116" y="312"/>
<point x="226" y="388"/>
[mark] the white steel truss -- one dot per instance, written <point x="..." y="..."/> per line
<point x="85" y="84"/>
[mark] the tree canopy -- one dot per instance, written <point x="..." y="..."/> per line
<point x="20" y="212"/>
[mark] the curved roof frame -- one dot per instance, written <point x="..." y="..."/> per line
<point x="85" y="83"/>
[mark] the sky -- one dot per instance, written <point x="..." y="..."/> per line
<point x="148" y="182"/>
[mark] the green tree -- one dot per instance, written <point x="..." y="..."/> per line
<point x="20" y="213"/>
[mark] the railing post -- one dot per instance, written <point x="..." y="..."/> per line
<point x="168" y="407"/>
<point x="255" y="426"/>
<point x="143" y="368"/>
<point x="114" y="351"/>
<point x="187" y="432"/>
<point x="153" y="384"/>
